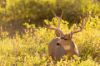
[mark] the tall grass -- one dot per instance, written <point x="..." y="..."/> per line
<point x="31" y="49"/>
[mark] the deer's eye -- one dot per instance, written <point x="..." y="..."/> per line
<point x="64" y="38"/>
<point x="58" y="44"/>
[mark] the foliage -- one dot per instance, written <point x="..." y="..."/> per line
<point x="32" y="48"/>
<point x="17" y="12"/>
<point x="33" y="11"/>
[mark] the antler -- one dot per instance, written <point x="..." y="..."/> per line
<point x="57" y="30"/>
<point x="81" y="27"/>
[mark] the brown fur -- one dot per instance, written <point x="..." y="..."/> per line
<point x="59" y="47"/>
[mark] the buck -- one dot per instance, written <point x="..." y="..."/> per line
<point x="63" y="43"/>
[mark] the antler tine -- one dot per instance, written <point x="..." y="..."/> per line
<point x="59" y="19"/>
<point x="81" y="27"/>
<point x="54" y="13"/>
<point x="58" y="32"/>
<point x="61" y="14"/>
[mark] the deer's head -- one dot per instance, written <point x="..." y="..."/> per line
<point x="65" y="40"/>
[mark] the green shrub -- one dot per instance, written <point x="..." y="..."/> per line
<point x="32" y="48"/>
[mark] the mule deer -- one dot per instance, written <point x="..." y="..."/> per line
<point x="63" y="43"/>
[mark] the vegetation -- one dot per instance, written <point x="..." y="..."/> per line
<point x="29" y="46"/>
<point x="32" y="48"/>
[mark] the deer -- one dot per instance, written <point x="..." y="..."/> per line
<point x="63" y="44"/>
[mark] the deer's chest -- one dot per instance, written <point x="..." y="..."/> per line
<point x="57" y="51"/>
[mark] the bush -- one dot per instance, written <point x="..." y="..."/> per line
<point x="17" y="12"/>
<point x="32" y="48"/>
<point x="36" y="11"/>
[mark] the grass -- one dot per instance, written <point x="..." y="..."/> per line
<point x="32" y="48"/>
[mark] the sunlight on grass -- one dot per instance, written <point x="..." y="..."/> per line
<point x="32" y="48"/>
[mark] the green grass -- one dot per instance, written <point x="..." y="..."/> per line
<point x="32" y="48"/>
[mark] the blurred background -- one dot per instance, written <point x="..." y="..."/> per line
<point x="14" y="13"/>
